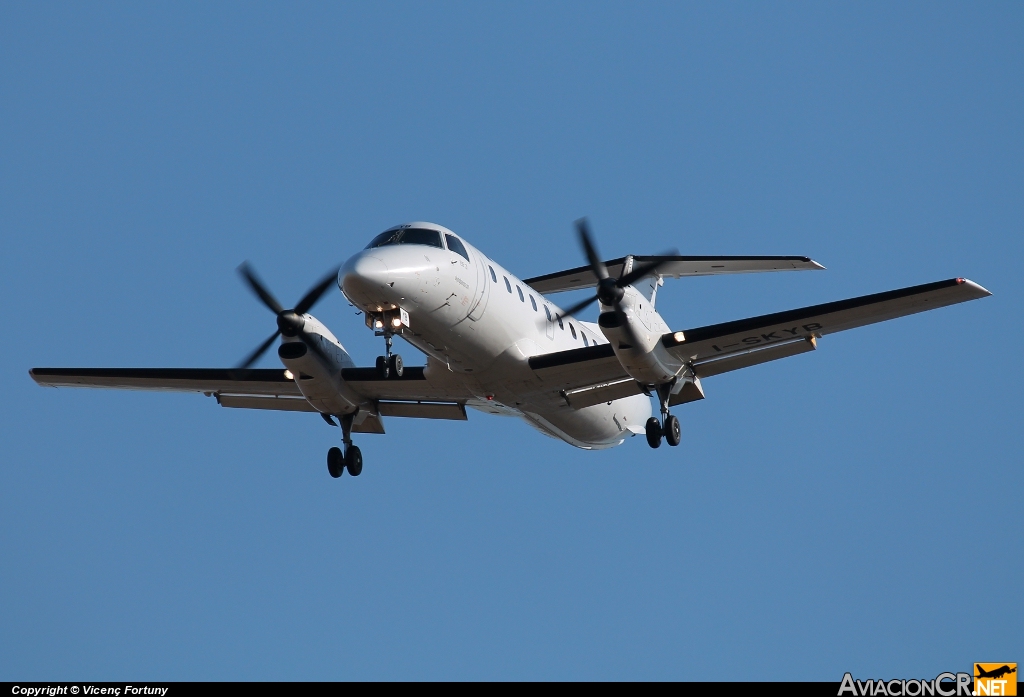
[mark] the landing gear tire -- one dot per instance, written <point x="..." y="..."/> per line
<point x="395" y="365"/>
<point x="335" y="462"/>
<point x="354" y="461"/>
<point x="382" y="367"/>
<point x="654" y="432"/>
<point x="673" y="432"/>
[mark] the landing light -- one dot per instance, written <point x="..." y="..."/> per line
<point x="378" y="324"/>
<point x="679" y="336"/>
<point x="288" y="375"/>
<point x="396" y="322"/>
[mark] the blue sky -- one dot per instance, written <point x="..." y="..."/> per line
<point x="853" y="509"/>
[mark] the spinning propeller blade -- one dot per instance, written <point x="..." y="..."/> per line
<point x="609" y="290"/>
<point x="289" y="322"/>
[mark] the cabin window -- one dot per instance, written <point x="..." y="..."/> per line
<point x="547" y="312"/>
<point x="534" y="303"/>
<point x="521" y="298"/>
<point x="507" y="284"/>
<point x="560" y="325"/>
<point x="493" y="277"/>
<point x="409" y="235"/>
<point x="455" y="245"/>
<point x="584" y="335"/>
<point x="573" y="330"/>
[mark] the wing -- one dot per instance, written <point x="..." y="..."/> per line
<point x="586" y="376"/>
<point x="674" y="267"/>
<point x="245" y="389"/>
<point x="416" y="384"/>
<point x="582" y="377"/>
<point x="720" y="348"/>
<point x="412" y="395"/>
<point x="257" y="382"/>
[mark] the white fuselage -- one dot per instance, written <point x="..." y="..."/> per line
<point x="481" y="324"/>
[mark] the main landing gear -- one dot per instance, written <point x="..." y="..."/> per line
<point x="668" y="426"/>
<point x="351" y="459"/>
<point x="390" y="363"/>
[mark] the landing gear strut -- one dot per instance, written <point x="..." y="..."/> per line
<point x="390" y="363"/>
<point x="351" y="459"/>
<point x="668" y="426"/>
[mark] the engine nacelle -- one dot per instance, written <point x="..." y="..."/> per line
<point x="634" y="330"/>
<point x="318" y="380"/>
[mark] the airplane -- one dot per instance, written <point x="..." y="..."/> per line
<point x="996" y="673"/>
<point x="499" y="345"/>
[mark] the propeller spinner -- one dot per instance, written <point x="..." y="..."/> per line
<point x="289" y="322"/>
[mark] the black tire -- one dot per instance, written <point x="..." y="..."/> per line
<point x="382" y="367"/>
<point x="653" y="432"/>
<point x="673" y="432"/>
<point x="395" y="364"/>
<point x="354" y="461"/>
<point x="335" y="462"/>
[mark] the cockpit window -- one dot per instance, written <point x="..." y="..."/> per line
<point x="409" y="235"/>
<point x="455" y="245"/>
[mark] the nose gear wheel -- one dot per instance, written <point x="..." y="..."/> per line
<point x="390" y="363"/>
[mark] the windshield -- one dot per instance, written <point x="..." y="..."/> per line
<point x="409" y="235"/>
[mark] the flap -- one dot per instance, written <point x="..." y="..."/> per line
<point x="424" y="410"/>
<point x="607" y="392"/>
<point x="716" y="365"/>
<point x="235" y="401"/>
<point x="674" y="267"/>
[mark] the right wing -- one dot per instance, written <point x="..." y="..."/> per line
<point x="413" y="395"/>
<point x="256" y="382"/>
<point x="720" y="348"/>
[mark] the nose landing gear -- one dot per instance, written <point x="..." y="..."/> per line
<point x="668" y="426"/>
<point x="351" y="459"/>
<point x="390" y="363"/>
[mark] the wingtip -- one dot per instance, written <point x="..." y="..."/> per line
<point x="817" y="266"/>
<point x="983" y="292"/>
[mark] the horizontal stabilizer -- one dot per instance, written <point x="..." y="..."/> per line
<point x="672" y="267"/>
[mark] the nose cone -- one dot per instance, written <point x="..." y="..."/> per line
<point x="364" y="278"/>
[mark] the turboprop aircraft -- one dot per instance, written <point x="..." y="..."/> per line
<point x="498" y="344"/>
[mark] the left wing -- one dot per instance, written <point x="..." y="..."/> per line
<point x="671" y="266"/>
<point x="587" y="376"/>
<point x="720" y="348"/>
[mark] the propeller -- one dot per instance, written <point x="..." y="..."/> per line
<point x="609" y="290"/>
<point x="289" y="322"/>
